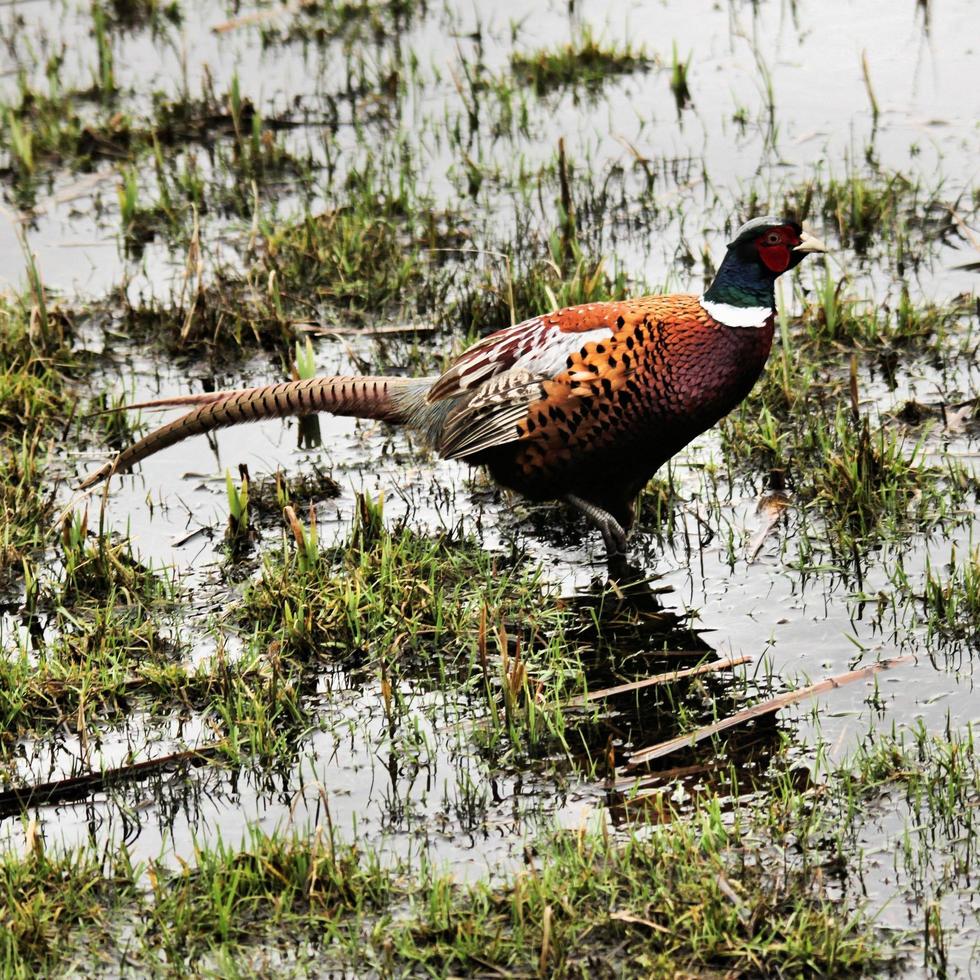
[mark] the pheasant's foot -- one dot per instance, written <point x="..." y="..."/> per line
<point x="613" y="535"/>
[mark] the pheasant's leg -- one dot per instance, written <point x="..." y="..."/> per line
<point x="613" y="535"/>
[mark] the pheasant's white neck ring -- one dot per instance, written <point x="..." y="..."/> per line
<point x="736" y="316"/>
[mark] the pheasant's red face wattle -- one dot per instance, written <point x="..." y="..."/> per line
<point x="775" y="248"/>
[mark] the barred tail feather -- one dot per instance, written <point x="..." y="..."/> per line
<point x="387" y="399"/>
<point x="173" y="401"/>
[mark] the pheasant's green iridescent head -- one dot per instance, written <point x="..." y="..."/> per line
<point x="761" y="251"/>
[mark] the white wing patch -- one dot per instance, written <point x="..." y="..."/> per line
<point x="551" y="357"/>
<point x="736" y="316"/>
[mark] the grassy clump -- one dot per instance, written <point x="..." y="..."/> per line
<point x="585" y="60"/>
<point x="273" y="881"/>
<point x="527" y="281"/>
<point x="34" y="402"/>
<point x="267" y="497"/>
<point x="43" y="130"/>
<point x="426" y="610"/>
<point x="878" y="212"/>
<point x="870" y="479"/>
<point x="703" y="895"/>
<point x="864" y="210"/>
<point x="364" y="261"/>
<point x="100" y="645"/>
<point x="223" y="902"/>
<point x="373" y="255"/>
<point x="376" y="251"/>
<point x="97" y="640"/>
<point x="835" y="317"/>
<point x="89" y="673"/>
<point x="939" y="774"/>
<point x="548" y="263"/>
<point x="49" y="898"/>
<point x="951" y="601"/>
<point x="697" y="897"/>
<point x="866" y="481"/>
<point x="115" y="665"/>
<point x="387" y="592"/>
<point x="94" y="568"/>
<point x="93" y="636"/>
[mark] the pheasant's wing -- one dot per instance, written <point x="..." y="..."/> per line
<point x="552" y="389"/>
<point x="493" y="415"/>
<point x="539" y="346"/>
<point x="540" y="376"/>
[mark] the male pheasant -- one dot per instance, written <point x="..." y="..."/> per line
<point x="583" y="404"/>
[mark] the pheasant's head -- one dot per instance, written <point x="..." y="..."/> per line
<point x="763" y="249"/>
<point x="774" y="244"/>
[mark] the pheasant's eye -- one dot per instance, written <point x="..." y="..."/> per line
<point x="773" y="238"/>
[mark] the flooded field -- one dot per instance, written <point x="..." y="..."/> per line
<point x="299" y="698"/>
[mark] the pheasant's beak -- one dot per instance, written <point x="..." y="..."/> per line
<point x="810" y="243"/>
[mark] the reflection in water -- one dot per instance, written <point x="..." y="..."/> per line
<point x="631" y="636"/>
<point x="415" y="780"/>
<point x="308" y="433"/>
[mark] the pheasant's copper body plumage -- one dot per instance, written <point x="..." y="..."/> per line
<point x="583" y="404"/>
<point x="623" y="405"/>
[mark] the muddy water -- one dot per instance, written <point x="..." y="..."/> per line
<point x="439" y="797"/>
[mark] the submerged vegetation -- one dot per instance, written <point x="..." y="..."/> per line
<point x="434" y="740"/>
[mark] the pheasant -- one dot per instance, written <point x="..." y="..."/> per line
<point x="582" y="405"/>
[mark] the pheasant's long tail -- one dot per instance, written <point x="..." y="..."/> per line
<point x="393" y="400"/>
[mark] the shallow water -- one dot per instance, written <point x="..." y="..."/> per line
<point x="821" y="122"/>
<point x="441" y="798"/>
